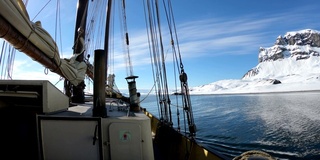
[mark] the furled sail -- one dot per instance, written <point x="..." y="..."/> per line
<point x="14" y="12"/>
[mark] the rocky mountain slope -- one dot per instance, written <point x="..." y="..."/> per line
<point x="295" y="46"/>
<point x="292" y="64"/>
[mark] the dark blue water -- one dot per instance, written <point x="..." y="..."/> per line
<point x="286" y="125"/>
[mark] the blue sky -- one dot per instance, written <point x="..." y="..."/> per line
<point x="218" y="39"/>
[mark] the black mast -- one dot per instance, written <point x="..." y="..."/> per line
<point x="100" y="71"/>
<point x="107" y="30"/>
<point x="80" y="29"/>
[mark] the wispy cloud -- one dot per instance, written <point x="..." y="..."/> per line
<point x="220" y="36"/>
<point x="24" y="69"/>
<point x="238" y="35"/>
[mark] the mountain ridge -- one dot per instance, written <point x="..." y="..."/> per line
<point x="292" y="64"/>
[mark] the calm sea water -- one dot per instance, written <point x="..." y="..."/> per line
<point x="285" y="125"/>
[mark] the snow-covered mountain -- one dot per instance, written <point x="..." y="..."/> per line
<point x="292" y="64"/>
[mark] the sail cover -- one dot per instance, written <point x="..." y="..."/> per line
<point x="14" y="11"/>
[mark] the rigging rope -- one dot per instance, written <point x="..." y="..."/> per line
<point x="58" y="25"/>
<point x="94" y="30"/>
<point x="156" y="48"/>
<point x="148" y="18"/>
<point x="126" y="38"/>
<point x="7" y="57"/>
<point x="111" y="45"/>
<point x="152" y="16"/>
<point x="183" y="76"/>
<point x="165" y="96"/>
<point x="41" y="10"/>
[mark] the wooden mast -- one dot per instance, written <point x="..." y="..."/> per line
<point x="80" y="29"/>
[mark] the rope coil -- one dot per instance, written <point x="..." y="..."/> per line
<point x="254" y="154"/>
